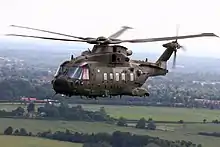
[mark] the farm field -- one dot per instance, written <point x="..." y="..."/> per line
<point x="20" y="141"/>
<point x="137" y="112"/>
<point x="165" y="131"/>
<point x="158" y="113"/>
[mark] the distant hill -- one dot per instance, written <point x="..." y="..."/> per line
<point x="54" y="53"/>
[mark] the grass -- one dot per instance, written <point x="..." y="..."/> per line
<point x="18" y="141"/>
<point x="174" y="131"/>
<point x="159" y="113"/>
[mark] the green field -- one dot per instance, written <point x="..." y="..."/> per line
<point x="18" y="141"/>
<point x="173" y="131"/>
<point x="159" y="113"/>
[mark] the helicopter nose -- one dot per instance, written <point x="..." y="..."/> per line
<point x="61" y="85"/>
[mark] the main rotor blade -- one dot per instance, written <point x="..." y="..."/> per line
<point x="169" y="38"/>
<point x="50" y="32"/>
<point x="48" y="38"/>
<point x="119" y="32"/>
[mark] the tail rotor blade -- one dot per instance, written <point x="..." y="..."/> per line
<point x="177" y="31"/>
<point x="174" y="60"/>
<point x="183" y="48"/>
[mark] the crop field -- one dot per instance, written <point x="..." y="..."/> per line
<point x="165" y="131"/>
<point x="20" y="141"/>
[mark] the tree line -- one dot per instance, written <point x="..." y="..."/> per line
<point x="61" y="112"/>
<point x="116" y="139"/>
<point x="162" y="93"/>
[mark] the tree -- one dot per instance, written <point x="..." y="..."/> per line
<point x="79" y="107"/>
<point x="31" y="107"/>
<point x="23" y="132"/>
<point x="102" y="111"/>
<point x="150" y="119"/>
<point x="63" y="108"/>
<point x="141" y="123"/>
<point x="152" y="145"/>
<point x="151" y="125"/>
<point x="181" y="121"/>
<point x="99" y="144"/>
<point x="16" y="132"/>
<point x="19" y="111"/>
<point x="122" y="122"/>
<point x="8" y="131"/>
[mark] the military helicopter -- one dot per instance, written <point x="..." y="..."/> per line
<point x="107" y="70"/>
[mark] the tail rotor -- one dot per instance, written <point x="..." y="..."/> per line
<point x="176" y="46"/>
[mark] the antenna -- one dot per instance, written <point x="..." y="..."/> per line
<point x="71" y="57"/>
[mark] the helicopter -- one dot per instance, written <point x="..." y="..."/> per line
<point x="108" y="70"/>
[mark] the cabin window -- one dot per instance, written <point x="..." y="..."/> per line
<point x="131" y="76"/>
<point x="105" y="77"/>
<point x="117" y="76"/>
<point x="85" y="73"/>
<point x="123" y="76"/>
<point x="111" y="76"/>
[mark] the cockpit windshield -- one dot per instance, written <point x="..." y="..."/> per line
<point x="74" y="72"/>
<point x="59" y="70"/>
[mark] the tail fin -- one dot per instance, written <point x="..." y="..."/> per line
<point x="162" y="60"/>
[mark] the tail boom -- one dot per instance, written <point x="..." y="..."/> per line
<point x="162" y="61"/>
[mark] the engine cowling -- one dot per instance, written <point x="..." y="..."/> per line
<point x="129" y="52"/>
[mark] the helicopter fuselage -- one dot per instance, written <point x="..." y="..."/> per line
<point x="98" y="81"/>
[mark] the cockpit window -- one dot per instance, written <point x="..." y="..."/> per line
<point x="74" y="72"/>
<point x="59" y="70"/>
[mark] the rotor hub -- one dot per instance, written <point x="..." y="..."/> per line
<point x="102" y="38"/>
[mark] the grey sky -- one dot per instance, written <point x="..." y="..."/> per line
<point x="149" y="18"/>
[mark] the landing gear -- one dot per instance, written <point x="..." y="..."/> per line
<point x="92" y="97"/>
<point x="140" y="91"/>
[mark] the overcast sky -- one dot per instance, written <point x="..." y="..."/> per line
<point x="149" y="18"/>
